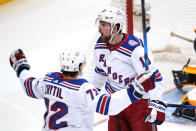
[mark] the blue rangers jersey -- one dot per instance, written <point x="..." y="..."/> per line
<point x="70" y="104"/>
<point x="117" y="65"/>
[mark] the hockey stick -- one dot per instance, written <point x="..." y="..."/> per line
<point x="186" y="64"/>
<point x="186" y="39"/>
<point x="182" y="37"/>
<point x="144" y="34"/>
<point x="181" y="106"/>
<point x="145" y="42"/>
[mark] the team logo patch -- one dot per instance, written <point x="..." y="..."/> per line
<point x="132" y="43"/>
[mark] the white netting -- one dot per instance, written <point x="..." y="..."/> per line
<point x="168" y="16"/>
<point x="90" y="65"/>
<point x="178" y="16"/>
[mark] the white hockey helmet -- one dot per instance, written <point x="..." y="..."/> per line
<point x="71" y="59"/>
<point x="113" y="16"/>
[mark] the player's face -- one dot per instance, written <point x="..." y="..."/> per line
<point x="105" y="31"/>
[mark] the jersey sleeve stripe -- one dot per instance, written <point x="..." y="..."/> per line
<point x="99" y="103"/>
<point x="100" y="71"/>
<point x="107" y="105"/>
<point x="65" y="84"/>
<point x="158" y="76"/>
<point x="100" y="46"/>
<point x="48" y="78"/>
<point x="28" y="87"/>
<point x="124" y="51"/>
<point x="70" y="85"/>
<point x="103" y="104"/>
<point x="109" y="88"/>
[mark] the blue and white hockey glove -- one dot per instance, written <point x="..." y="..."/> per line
<point x="142" y="84"/>
<point x="18" y="61"/>
<point x="156" y="112"/>
<point x="135" y="91"/>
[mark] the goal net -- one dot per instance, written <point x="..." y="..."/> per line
<point x="165" y="16"/>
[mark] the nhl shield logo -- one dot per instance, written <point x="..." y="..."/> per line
<point x="132" y="43"/>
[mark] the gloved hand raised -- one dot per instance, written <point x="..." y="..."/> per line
<point x="18" y="61"/>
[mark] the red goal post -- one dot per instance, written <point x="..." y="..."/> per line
<point x="129" y="14"/>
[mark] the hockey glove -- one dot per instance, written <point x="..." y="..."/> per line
<point x="18" y="61"/>
<point x="147" y="80"/>
<point x="135" y="91"/>
<point x="156" y="112"/>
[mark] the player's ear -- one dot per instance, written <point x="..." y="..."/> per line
<point x="80" y="68"/>
<point x="116" y="28"/>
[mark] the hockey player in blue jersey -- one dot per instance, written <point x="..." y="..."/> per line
<point x="119" y="58"/>
<point x="71" y="101"/>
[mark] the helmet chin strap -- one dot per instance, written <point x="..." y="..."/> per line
<point x="80" y="72"/>
<point x="79" y="76"/>
<point x="112" y="35"/>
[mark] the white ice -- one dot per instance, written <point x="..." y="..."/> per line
<point x="42" y="28"/>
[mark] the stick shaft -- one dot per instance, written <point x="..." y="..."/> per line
<point x="144" y="34"/>
<point x="181" y="106"/>
<point x="181" y="37"/>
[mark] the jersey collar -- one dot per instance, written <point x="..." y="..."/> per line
<point x="115" y="47"/>
<point x="60" y="76"/>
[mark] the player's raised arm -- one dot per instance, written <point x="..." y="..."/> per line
<point x="20" y="65"/>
